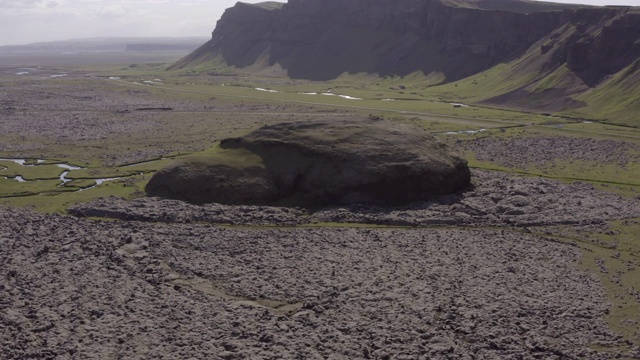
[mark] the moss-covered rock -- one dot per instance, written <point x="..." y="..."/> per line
<point x="322" y="162"/>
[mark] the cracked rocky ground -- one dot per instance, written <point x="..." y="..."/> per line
<point x="80" y="288"/>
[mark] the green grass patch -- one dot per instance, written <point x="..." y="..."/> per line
<point x="369" y="99"/>
<point x="107" y="172"/>
<point x="498" y="80"/>
<point x="233" y="158"/>
<point x="11" y="187"/>
<point x="593" y="171"/>
<point x="615" y="101"/>
<point x="552" y="81"/>
<point x="57" y="202"/>
<point x="80" y="183"/>
<point x="604" y="129"/>
<point x="37" y="172"/>
<point x="607" y="176"/>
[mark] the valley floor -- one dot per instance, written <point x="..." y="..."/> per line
<point x="538" y="259"/>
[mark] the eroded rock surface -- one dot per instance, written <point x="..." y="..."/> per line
<point x="495" y="199"/>
<point x="519" y="152"/>
<point x="76" y="288"/>
<point x="176" y="211"/>
<point x="315" y="163"/>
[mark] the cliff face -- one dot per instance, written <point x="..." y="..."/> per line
<point x="322" y="39"/>
<point x="603" y="43"/>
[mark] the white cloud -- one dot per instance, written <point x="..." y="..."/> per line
<point x="109" y="11"/>
<point x="19" y="3"/>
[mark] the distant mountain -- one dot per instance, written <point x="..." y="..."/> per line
<point x="108" y="44"/>
<point x="528" y="54"/>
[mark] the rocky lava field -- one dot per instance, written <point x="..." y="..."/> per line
<point x="177" y="284"/>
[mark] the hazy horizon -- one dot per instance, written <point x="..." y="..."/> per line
<point x="33" y="21"/>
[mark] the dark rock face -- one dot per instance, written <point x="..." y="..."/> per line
<point x="318" y="163"/>
<point x="594" y="52"/>
<point x="320" y="40"/>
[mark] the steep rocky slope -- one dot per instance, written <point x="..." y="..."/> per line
<point x="323" y="39"/>
<point x="596" y="50"/>
<point x="545" y="55"/>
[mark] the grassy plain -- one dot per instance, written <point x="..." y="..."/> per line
<point x="126" y="121"/>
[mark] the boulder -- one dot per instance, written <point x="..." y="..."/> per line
<point x="317" y="163"/>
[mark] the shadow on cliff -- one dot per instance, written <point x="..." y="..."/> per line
<point x="323" y="40"/>
<point x="552" y="51"/>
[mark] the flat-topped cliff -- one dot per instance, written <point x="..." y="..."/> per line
<point x="321" y="40"/>
<point x="566" y="48"/>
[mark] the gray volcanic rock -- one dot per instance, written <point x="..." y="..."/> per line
<point x="495" y="200"/>
<point x="330" y="161"/>
<point x="82" y="289"/>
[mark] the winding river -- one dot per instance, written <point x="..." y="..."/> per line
<point x="64" y="177"/>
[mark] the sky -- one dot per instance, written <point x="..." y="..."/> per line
<point x="28" y="21"/>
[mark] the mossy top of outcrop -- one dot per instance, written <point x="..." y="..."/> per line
<point x="317" y="163"/>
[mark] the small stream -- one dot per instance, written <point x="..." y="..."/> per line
<point x="63" y="177"/>
<point x="462" y="132"/>
<point x="332" y="94"/>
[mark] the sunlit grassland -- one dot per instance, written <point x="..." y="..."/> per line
<point x="616" y="100"/>
<point x="58" y="202"/>
<point x="37" y="172"/>
<point x="604" y="176"/>
<point x="601" y="130"/>
<point x="490" y="83"/>
<point x="413" y="93"/>
<point x="12" y="188"/>
<point x="361" y="100"/>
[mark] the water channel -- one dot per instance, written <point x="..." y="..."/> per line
<point x="64" y="177"/>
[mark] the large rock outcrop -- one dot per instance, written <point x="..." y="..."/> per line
<point x="322" y="162"/>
